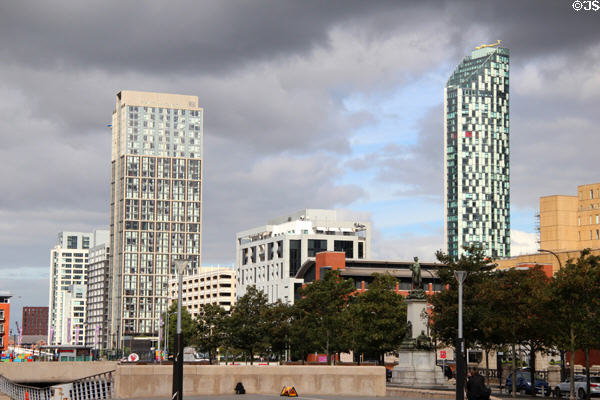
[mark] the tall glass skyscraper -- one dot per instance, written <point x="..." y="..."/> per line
<point x="156" y="207"/>
<point x="476" y="157"/>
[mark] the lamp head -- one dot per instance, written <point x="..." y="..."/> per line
<point x="460" y="276"/>
<point x="181" y="266"/>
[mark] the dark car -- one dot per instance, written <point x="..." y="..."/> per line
<point x="523" y="383"/>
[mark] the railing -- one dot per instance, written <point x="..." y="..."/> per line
<point x="493" y="373"/>
<point x="95" y="387"/>
<point x="22" y="392"/>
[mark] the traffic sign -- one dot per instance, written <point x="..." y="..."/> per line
<point x="442" y="353"/>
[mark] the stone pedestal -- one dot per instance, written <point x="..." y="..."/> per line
<point x="416" y="368"/>
<point x="415" y="308"/>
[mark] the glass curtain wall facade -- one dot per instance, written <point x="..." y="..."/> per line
<point x="156" y="206"/>
<point x="476" y="158"/>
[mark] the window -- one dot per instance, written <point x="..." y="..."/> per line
<point x="591" y="194"/>
<point x="71" y="242"/>
<point x="579" y="221"/>
<point x="597" y="234"/>
<point x="316" y="246"/>
<point x="346" y="246"/>
<point x="295" y="256"/>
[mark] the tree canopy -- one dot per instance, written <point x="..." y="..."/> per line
<point x="378" y="318"/>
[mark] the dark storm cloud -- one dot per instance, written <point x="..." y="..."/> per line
<point x="221" y="36"/>
<point x="175" y="36"/>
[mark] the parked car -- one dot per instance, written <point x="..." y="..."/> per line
<point x="564" y="388"/>
<point x="523" y="383"/>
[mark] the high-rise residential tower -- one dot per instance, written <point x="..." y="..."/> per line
<point x="156" y="195"/>
<point x="98" y="299"/>
<point x="68" y="267"/>
<point x="476" y="153"/>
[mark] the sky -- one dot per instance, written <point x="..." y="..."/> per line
<point x="308" y="104"/>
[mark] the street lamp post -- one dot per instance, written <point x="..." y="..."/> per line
<point x="563" y="372"/>
<point x="460" y="345"/>
<point x="166" y="338"/>
<point x="180" y="266"/>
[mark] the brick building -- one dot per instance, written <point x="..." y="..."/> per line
<point x="35" y="320"/>
<point x="4" y="319"/>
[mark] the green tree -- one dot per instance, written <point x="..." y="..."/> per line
<point x="246" y="326"/>
<point x="278" y="319"/>
<point x="444" y="326"/>
<point x="323" y="314"/>
<point x="211" y="329"/>
<point x="445" y="302"/>
<point x="188" y="327"/>
<point x="575" y="291"/>
<point x="514" y="307"/>
<point x="378" y="318"/>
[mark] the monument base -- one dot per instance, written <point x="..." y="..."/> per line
<point x="416" y="368"/>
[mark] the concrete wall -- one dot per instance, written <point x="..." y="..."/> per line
<point x="152" y="381"/>
<point x="54" y="371"/>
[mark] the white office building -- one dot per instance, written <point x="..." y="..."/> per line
<point x="68" y="267"/>
<point x="269" y="256"/>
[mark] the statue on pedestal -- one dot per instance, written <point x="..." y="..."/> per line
<point x="416" y="355"/>
<point x="417" y="291"/>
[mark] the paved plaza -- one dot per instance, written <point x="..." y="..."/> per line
<point x="276" y="396"/>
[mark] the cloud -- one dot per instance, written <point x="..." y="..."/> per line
<point x="407" y="246"/>
<point x="274" y="78"/>
<point x="522" y="243"/>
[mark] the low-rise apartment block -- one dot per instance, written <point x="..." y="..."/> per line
<point x="209" y="285"/>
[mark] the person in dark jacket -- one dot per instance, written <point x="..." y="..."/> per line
<point x="476" y="389"/>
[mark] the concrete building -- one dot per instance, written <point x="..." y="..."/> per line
<point x="97" y="302"/>
<point x="567" y="225"/>
<point x="209" y="285"/>
<point x="271" y="255"/>
<point x="476" y="153"/>
<point x="68" y="267"/>
<point x="35" y="321"/>
<point x="156" y="207"/>
<point x="571" y="222"/>
<point x="4" y="319"/>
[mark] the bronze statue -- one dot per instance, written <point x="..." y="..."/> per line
<point x="417" y="282"/>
